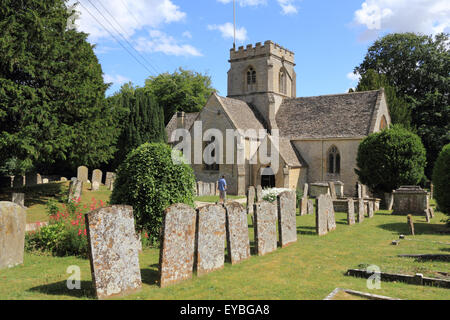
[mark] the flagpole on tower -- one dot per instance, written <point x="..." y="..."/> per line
<point x="234" y="23"/>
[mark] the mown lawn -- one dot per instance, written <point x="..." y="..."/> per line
<point x="309" y="269"/>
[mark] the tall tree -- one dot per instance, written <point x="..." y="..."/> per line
<point x="52" y="93"/>
<point x="182" y="90"/>
<point x="418" y="67"/>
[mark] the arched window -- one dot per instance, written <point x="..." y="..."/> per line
<point x="383" y="123"/>
<point x="282" y="81"/>
<point x="251" y="79"/>
<point x="334" y="161"/>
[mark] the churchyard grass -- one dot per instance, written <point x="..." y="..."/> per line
<point x="309" y="269"/>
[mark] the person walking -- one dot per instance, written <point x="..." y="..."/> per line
<point x="222" y="185"/>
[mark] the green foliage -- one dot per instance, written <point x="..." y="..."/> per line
<point x="150" y="182"/>
<point x="52" y="93"/>
<point x="52" y="207"/>
<point x="399" y="110"/>
<point x="418" y="67"/>
<point x="182" y="90"/>
<point x="391" y="158"/>
<point x="441" y="180"/>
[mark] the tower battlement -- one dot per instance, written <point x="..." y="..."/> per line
<point x="269" y="48"/>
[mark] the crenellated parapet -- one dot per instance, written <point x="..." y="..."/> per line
<point x="269" y="48"/>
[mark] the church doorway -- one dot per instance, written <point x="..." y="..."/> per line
<point x="267" y="178"/>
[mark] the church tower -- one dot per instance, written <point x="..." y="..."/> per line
<point x="262" y="76"/>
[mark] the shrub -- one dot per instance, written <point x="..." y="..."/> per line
<point x="441" y="180"/>
<point x="391" y="158"/>
<point x="150" y="182"/>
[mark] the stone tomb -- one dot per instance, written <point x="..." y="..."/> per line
<point x="211" y="237"/>
<point x="332" y="190"/>
<point x="351" y="212"/>
<point x="410" y="200"/>
<point x="19" y="198"/>
<point x="318" y="188"/>
<point x="238" y="242"/>
<point x="325" y="218"/>
<point x="97" y="176"/>
<point x="250" y="199"/>
<point x="176" y="258"/>
<point x="82" y="173"/>
<point x="265" y="227"/>
<point x="12" y="234"/>
<point x="113" y="251"/>
<point x="287" y="224"/>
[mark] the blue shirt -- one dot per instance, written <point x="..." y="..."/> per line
<point x="222" y="184"/>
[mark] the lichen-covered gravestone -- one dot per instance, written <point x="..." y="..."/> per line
<point x="19" y="198"/>
<point x="109" y="179"/>
<point x="176" y="258"/>
<point x="75" y="190"/>
<point x="351" y="212"/>
<point x="265" y="227"/>
<point x="211" y="237"/>
<point x="12" y="234"/>
<point x="97" y="176"/>
<point x="113" y="251"/>
<point x="325" y="218"/>
<point x="303" y="206"/>
<point x="370" y="209"/>
<point x="250" y="199"/>
<point x="238" y="242"/>
<point x="95" y="186"/>
<point x="82" y="173"/>
<point x="287" y="224"/>
<point x="361" y="210"/>
<point x="259" y="193"/>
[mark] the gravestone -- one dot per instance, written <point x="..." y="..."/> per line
<point x="427" y="215"/>
<point x="431" y="210"/>
<point x="19" y="198"/>
<point x="19" y="181"/>
<point x="360" y="191"/>
<point x="322" y="212"/>
<point x="351" y="212"/>
<point x="109" y="179"/>
<point x="305" y="190"/>
<point x="63" y="179"/>
<point x="95" y="186"/>
<point x="113" y="251"/>
<point x="410" y="224"/>
<point x="318" y="188"/>
<point x="176" y="258"/>
<point x="75" y="190"/>
<point x="238" y="242"/>
<point x="12" y="234"/>
<point x="339" y="188"/>
<point x="206" y="191"/>
<point x="97" y="176"/>
<point x="259" y="193"/>
<point x="361" y="210"/>
<point x="332" y="190"/>
<point x="45" y="181"/>
<point x="250" y="199"/>
<point x="432" y="191"/>
<point x="287" y="223"/>
<point x="212" y="186"/>
<point x="265" y="227"/>
<point x="310" y="207"/>
<point x="82" y="174"/>
<point x="331" y="214"/>
<point x="211" y="237"/>
<point x="410" y="200"/>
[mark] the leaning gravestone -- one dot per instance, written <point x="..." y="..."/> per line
<point x="259" y="193"/>
<point x="287" y="224"/>
<point x="250" y="199"/>
<point x="113" y="251"/>
<point x="19" y="198"/>
<point x="82" y="174"/>
<point x="12" y="234"/>
<point x="265" y="227"/>
<point x="238" y="242"/>
<point x="351" y="212"/>
<point x="176" y="257"/>
<point x="97" y="176"/>
<point x="332" y="190"/>
<point x="75" y="189"/>
<point x="322" y="211"/>
<point x="361" y="210"/>
<point x="211" y="237"/>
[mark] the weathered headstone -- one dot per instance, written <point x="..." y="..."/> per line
<point x="108" y="179"/>
<point x="97" y="176"/>
<point x="331" y="214"/>
<point x="238" y="242"/>
<point x="410" y="224"/>
<point x="211" y="237"/>
<point x="332" y="189"/>
<point x="427" y="215"/>
<point x="199" y="188"/>
<point x="310" y="207"/>
<point x="361" y="210"/>
<point x="45" y="181"/>
<point x="176" y="258"/>
<point x="305" y="190"/>
<point x="431" y="210"/>
<point x="370" y="208"/>
<point x="287" y="224"/>
<point x="351" y="212"/>
<point x="360" y="191"/>
<point x="19" y="198"/>
<point x="250" y="199"/>
<point x="95" y="186"/>
<point x="19" y="181"/>
<point x="212" y="186"/>
<point x="12" y="234"/>
<point x="82" y="173"/>
<point x="265" y="227"/>
<point x="113" y="251"/>
<point x="303" y="206"/>
<point x="322" y="210"/>
<point x="75" y="190"/>
<point x="63" y="179"/>
<point x="259" y="193"/>
<point x="206" y="191"/>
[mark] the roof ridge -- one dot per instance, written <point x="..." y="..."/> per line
<point x="335" y="94"/>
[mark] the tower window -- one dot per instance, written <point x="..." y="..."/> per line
<point x="251" y="76"/>
<point x="334" y="161"/>
<point x="282" y="82"/>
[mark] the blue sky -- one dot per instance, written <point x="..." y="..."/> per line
<point x="329" y="37"/>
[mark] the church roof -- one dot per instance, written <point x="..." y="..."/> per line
<point x="290" y="155"/>
<point x="172" y="125"/>
<point x="329" y="116"/>
<point x="240" y="114"/>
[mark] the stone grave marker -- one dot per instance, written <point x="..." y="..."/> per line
<point x="303" y="206"/>
<point x="176" y="258"/>
<point x="250" y="199"/>
<point x="113" y="251"/>
<point x="95" y="186"/>
<point x="45" y="181"/>
<point x="310" y="207"/>
<point x="75" y="189"/>
<point x="431" y="212"/>
<point x="211" y="237"/>
<point x="287" y="223"/>
<point x="212" y="187"/>
<point x="332" y="190"/>
<point x="97" y="176"/>
<point x="351" y="212"/>
<point x="82" y="174"/>
<point x="259" y="193"/>
<point x="305" y="190"/>
<point x="108" y="179"/>
<point x="322" y="209"/>
<point x="19" y="198"/>
<point x="12" y="234"/>
<point x="265" y="227"/>
<point x="361" y="210"/>
<point x="427" y="215"/>
<point x="370" y="209"/>
<point x="63" y="179"/>
<point x="410" y="224"/>
<point x="199" y="188"/>
<point x="238" y="242"/>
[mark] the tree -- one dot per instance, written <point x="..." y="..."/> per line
<point x="391" y="158"/>
<point x="52" y="93"/>
<point x="399" y="110"/>
<point x="182" y="90"/>
<point x="441" y="179"/>
<point x="143" y="121"/>
<point x="418" y="67"/>
<point x="150" y="181"/>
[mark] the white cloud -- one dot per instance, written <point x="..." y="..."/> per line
<point x="227" y="31"/>
<point x="287" y="6"/>
<point x="245" y="3"/>
<point x="187" y="34"/>
<point x="158" y="41"/>
<point x="116" y="79"/>
<point x="353" y="77"/>
<point x="423" y="16"/>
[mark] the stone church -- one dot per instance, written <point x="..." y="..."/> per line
<point x="318" y="136"/>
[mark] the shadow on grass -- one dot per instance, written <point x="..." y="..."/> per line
<point x="306" y="230"/>
<point x="37" y="194"/>
<point x="60" y="289"/>
<point x="419" y="228"/>
<point x="150" y="276"/>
